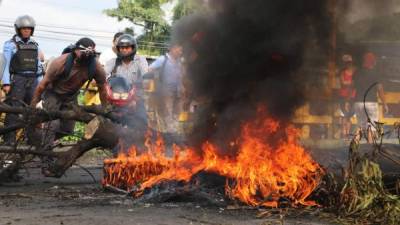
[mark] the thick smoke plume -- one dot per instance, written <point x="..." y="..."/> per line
<point x="243" y="53"/>
<point x="361" y="20"/>
<point x="355" y="10"/>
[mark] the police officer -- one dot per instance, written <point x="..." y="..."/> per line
<point x="22" y="69"/>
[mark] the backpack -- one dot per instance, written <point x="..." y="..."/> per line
<point x="162" y="69"/>
<point x="68" y="67"/>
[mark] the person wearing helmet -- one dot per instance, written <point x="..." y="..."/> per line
<point x="110" y="53"/>
<point x="22" y="71"/>
<point x="131" y="67"/>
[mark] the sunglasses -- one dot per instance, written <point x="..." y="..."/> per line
<point x="87" y="50"/>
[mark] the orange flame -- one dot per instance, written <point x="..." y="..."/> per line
<point x="259" y="174"/>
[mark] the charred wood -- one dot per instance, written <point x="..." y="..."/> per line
<point x="115" y="189"/>
<point x="179" y="191"/>
<point x="203" y="188"/>
<point x="9" y="171"/>
<point x="25" y="150"/>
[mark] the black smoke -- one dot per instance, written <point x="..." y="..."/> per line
<point x="355" y="10"/>
<point x="242" y="53"/>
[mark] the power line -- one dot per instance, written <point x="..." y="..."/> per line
<point x="54" y="38"/>
<point x="66" y="36"/>
<point x="91" y="35"/>
<point x="142" y="44"/>
<point x="11" y="21"/>
<point x="60" y="32"/>
<point x="80" y="34"/>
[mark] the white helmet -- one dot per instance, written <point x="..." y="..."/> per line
<point x="24" y="21"/>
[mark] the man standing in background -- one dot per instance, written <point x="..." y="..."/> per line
<point x="169" y="87"/>
<point x="347" y="94"/>
<point x="110" y="53"/>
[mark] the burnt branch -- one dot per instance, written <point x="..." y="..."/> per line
<point x="78" y="113"/>
<point x="11" y="128"/>
<point x="25" y="150"/>
<point x="102" y="132"/>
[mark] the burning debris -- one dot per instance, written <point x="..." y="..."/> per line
<point x="243" y="58"/>
<point x="265" y="170"/>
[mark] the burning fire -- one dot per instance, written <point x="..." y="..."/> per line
<point x="268" y="165"/>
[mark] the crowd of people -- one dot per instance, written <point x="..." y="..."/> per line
<point x="122" y="76"/>
<point x="119" y="73"/>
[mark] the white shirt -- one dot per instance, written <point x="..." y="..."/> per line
<point x="106" y="55"/>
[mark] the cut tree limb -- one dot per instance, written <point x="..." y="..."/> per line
<point x="103" y="132"/>
<point x="27" y="150"/>
<point x="32" y="116"/>
<point x="35" y="116"/>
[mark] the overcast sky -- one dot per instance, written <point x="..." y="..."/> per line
<point x="62" y="22"/>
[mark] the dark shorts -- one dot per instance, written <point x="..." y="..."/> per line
<point x="347" y="108"/>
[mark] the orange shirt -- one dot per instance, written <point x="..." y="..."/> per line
<point x="347" y="89"/>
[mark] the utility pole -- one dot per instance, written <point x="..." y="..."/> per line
<point x="332" y="46"/>
<point x="332" y="4"/>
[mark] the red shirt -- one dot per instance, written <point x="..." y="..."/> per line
<point x="347" y="89"/>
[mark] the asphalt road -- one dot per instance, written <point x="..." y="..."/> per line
<point x="77" y="199"/>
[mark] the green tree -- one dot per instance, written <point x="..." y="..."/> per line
<point x="149" y="15"/>
<point x="187" y="7"/>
